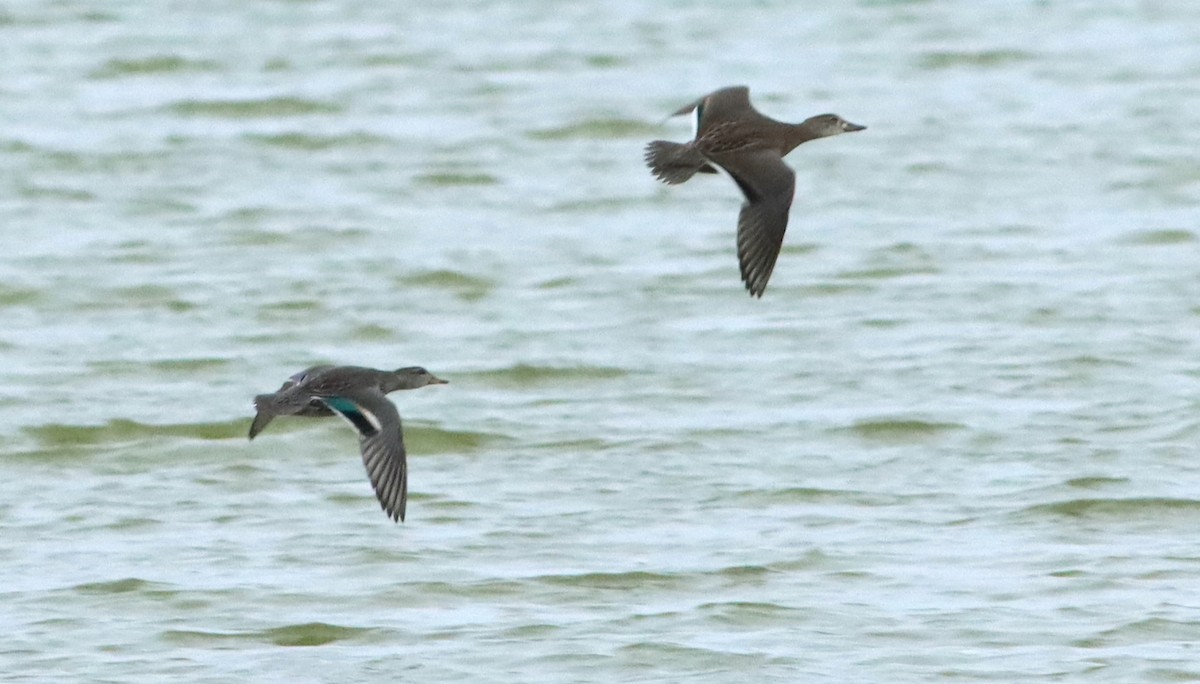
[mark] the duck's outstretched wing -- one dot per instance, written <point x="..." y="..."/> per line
<point x="768" y="185"/>
<point x="382" y="445"/>
<point x="722" y="105"/>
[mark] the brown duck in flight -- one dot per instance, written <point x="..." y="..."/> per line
<point x="359" y="395"/>
<point x="731" y="135"/>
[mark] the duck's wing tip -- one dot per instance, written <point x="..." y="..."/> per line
<point x="382" y="448"/>
<point x="768" y="185"/>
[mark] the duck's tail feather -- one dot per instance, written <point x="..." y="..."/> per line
<point x="674" y="163"/>
<point x="265" y="412"/>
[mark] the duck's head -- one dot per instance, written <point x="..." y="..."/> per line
<point x="413" y="377"/>
<point x="825" y="125"/>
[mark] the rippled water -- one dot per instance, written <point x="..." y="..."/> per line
<point x="955" y="441"/>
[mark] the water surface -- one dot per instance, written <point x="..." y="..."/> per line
<point x="955" y="441"/>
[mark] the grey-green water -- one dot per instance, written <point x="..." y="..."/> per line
<point x="955" y="441"/>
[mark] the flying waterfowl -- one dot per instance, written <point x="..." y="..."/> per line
<point x="358" y="395"/>
<point x="732" y="136"/>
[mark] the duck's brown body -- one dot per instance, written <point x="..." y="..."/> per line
<point x="734" y="137"/>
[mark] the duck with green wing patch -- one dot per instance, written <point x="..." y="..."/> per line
<point x="358" y="395"/>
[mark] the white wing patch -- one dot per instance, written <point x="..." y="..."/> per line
<point x="371" y="418"/>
